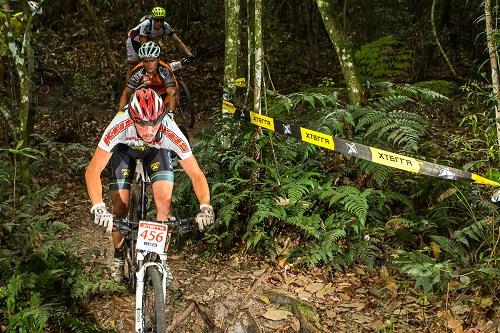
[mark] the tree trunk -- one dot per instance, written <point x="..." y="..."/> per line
<point x="250" y="46"/>
<point x="493" y="62"/>
<point x="436" y="38"/>
<point x="343" y="47"/>
<point x="259" y="57"/>
<point x="232" y="13"/>
<point x="424" y="52"/>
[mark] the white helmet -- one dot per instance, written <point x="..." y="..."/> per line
<point x="34" y="8"/>
<point x="149" y="50"/>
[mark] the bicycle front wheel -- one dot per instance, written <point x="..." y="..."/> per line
<point x="185" y="107"/>
<point x="154" y="317"/>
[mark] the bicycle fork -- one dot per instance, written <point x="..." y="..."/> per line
<point x="139" y="291"/>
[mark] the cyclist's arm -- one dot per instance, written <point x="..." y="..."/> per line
<point x="180" y="44"/>
<point x="143" y="39"/>
<point x="93" y="174"/>
<point x="171" y="91"/>
<point x="198" y="179"/>
<point x="127" y="92"/>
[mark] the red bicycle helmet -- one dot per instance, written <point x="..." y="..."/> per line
<point x="146" y="107"/>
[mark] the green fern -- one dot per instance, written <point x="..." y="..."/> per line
<point x="475" y="231"/>
<point x="362" y="252"/>
<point x="353" y="200"/>
<point x="309" y="225"/>
<point x="382" y="58"/>
<point x="378" y="172"/>
<point x="451" y="247"/>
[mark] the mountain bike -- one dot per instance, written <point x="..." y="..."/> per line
<point x="184" y="106"/>
<point x="146" y="271"/>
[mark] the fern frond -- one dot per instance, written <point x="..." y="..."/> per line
<point x="450" y="247"/>
<point x="378" y="172"/>
<point x="475" y="231"/>
<point x="310" y="225"/>
<point x="390" y="103"/>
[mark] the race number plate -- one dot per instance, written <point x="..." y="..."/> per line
<point x="152" y="237"/>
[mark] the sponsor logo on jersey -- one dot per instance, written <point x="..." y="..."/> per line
<point x="143" y="147"/>
<point x="175" y="139"/>
<point x="125" y="172"/>
<point x="155" y="166"/>
<point x="112" y="133"/>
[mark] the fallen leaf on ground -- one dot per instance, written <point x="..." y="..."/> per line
<point x="455" y="324"/>
<point x="295" y="324"/>
<point x="276" y="314"/>
<point x="315" y="287"/>
<point x="265" y="299"/>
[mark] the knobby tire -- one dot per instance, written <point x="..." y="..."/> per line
<point x="153" y="305"/>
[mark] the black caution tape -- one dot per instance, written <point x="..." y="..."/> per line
<point x="354" y="149"/>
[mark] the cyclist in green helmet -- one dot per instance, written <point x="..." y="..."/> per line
<point x="150" y="28"/>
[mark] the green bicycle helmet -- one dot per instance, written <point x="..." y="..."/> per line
<point x="158" y="13"/>
<point x="149" y="50"/>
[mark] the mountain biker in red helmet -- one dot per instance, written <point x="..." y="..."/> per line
<point x="151" y="27"/>
<point x="142" y="131"/>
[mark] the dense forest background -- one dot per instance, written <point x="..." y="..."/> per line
<point x="426" y="94"/>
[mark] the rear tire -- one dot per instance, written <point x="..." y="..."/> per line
<point x="185" y="107"/>
<point x="154" y="317"/>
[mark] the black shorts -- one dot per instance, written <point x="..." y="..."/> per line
<point x="157" y="162"/>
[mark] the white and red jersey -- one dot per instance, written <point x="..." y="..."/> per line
<point x="146" y="28"/>
<point x="122" y="130"/>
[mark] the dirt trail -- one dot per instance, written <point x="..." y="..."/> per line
<point x="239" y="293"/>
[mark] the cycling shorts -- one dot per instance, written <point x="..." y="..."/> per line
<point x="121" y="166"/>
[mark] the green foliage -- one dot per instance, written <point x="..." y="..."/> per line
<point x="443" y="87"/>
<point x="427" y="272"/>
<point x="41" y="280"/>
<point x="382" y="59"/>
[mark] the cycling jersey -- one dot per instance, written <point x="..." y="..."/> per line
<point x="121" y="130"/>
<point x="146" y="29"/>
<point x="161" y="80"/>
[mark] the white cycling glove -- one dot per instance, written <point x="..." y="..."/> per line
<point x="205" y="217"/>
<point x="102" y="217"/>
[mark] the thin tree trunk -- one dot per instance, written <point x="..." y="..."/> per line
<point x="343" y="47"/>
<point x="438" y="43"/>
<point x="259" y="57"/>
<point x="250" y="46"/>
<point x="493" y="62"/>
<point x="232" y="13"/>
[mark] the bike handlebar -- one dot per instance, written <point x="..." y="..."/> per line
<point x="125" y="225"/>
